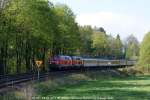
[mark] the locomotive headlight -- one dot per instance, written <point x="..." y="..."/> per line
<point x="109" y="63"/>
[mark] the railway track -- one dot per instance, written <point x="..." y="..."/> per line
<point x="11" y="80"/>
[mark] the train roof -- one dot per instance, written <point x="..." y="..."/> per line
<point x="101" y="59"/>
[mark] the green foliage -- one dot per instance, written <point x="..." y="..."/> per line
<point x="118" y="47"/>
<point x="66" y="40"/>
<point x="86" y="40"/>
<point x="96" y="43"/>
<point x="99" y="43"/>
<point x="132" y="48"/>
<point x="32" y="30"/>
<point x="144" y="58"/>
<point x="29" y="29"/>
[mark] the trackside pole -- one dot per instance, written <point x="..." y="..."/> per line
<point x="38" y="63"/>
<point x="38" y="74"/>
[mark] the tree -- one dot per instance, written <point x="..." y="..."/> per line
<point x="99" y="44"/>
<point x="111" y="46"/>
<point x="34" y="29"/>
<point x="132" y="47"/>
<point x="66" y="37"/>
<point x="86" y="39"/>
<point x="3" y="3"/>
<point x="118" y="51"/>
<point x="29" y="32"/>
<point x="144" y="58"/>
<point x="5" y="34"/>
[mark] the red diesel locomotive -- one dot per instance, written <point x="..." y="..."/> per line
<point x="65" y="62"/>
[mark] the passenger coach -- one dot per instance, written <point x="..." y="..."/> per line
<point x="75" y="62"/>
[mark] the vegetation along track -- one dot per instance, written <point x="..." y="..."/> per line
<point x="11" y="80"/>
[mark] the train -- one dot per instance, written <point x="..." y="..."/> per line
<point x="76" y="62"/>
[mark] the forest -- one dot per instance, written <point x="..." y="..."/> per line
<point x="33" y="30"/>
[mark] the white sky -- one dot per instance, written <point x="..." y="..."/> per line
<point x="123" y="17"/>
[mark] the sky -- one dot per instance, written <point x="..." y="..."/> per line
<point x="123" y="17"/>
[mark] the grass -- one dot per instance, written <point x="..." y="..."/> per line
<point x="107" y="87"/>
<point x="102" y="85"/>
